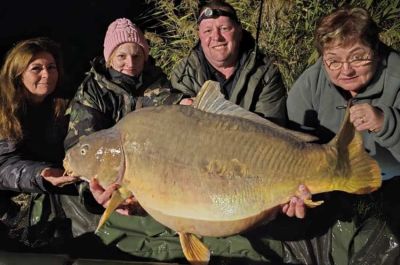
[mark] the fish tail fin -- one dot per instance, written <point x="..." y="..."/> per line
<point x="360" y="172"/>
<point x="195" y="251"/>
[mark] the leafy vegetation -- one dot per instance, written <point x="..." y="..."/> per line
<point x="286" y="30"/>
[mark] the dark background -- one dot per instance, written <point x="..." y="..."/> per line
<point x="78" y="25"/>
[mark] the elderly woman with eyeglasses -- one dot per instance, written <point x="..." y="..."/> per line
<point x="356" y="65"/>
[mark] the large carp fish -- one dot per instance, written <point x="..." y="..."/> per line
<point x="215" y="169"/>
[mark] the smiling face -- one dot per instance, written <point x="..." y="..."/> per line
<point x="128" y="58"/>
<point x="41" y="76"/>
<point x="220" y="39"/>
<point x="358" y="66"/>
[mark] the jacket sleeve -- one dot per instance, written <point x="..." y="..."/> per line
<point x="161" y="96"/>
<point x="85" y="115"/>
<point x="18" y="173"/>
<point x="389" y="136"/>
<point x="185" y="79"/>
<point x="271" y="102"/>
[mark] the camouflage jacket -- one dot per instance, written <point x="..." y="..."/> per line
<point x="105" y="96"/>
<point x="257" y="84"/>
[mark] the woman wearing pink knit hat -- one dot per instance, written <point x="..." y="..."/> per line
<point x="125" y="79"/>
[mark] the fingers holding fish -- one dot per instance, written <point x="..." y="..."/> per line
<point x="56" y="177"/>
<point x="131" y="206"/>
<point x="296" y="206"/>
<point x="366" y="117"/>
<point x="103" y="195"/>
<point x="186" y="101"/>
<point x="100" y="194"/>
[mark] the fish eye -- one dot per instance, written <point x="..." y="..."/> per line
<point x="84" y="149"/>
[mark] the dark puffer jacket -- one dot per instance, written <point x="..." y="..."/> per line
<point x="29" y="208"/>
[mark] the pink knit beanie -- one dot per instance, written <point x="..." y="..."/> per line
<point x="120" y="31"/>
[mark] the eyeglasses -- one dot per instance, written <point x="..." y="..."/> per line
<point x="215" y="13"/>
<point x="356" y="61"/>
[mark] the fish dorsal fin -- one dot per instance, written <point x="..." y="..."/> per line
<point x="194" y="250"/>
<point x="210" y="99"/>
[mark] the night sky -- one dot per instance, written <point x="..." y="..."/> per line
<point x="78" y="25"/>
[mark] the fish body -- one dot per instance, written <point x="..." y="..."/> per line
<point x="218" y="172"/>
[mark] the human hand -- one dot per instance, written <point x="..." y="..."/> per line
<point x="296" y="206"/>
<point x="186" y="101"/>
<point x="56" y="177"/>
<point x="103" y="195"/>
<point x="366" y="117"/>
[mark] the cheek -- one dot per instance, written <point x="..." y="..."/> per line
<point x="28" y="81"/>
<point x="116" y="64"/>
<point x="204" y="41"/>
<point x="367" y="74"/>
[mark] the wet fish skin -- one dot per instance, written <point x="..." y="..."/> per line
<point x="215" y="169"/>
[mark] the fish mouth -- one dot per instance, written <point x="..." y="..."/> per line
<point x="68" y="173"/>
<point x="67" y="167"/>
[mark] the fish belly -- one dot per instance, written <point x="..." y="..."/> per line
<point x="218" y="177"/>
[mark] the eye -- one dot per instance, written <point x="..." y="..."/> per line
<point x="225" y="28"/>
<point x="36" y="69"/>
<point x="84" y="149"/>
<point x="51" y="67"/>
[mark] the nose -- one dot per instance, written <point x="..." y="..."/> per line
<point x="129" y="61"/>
<point x="347" y="68"/>
<point x="216" y="34"/>
<point x="45" y="72"/>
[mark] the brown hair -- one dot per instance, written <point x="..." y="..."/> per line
<point x="13" y="97"/>
<point x="346" y="25"/>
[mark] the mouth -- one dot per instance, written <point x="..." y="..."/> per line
<point x="219" y="47"/>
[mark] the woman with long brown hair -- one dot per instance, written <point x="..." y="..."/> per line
<point x="32" y="129"/>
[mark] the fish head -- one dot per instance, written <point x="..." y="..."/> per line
<point x="98" y="155"/>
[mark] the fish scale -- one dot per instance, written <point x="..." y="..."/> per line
<point x="215" y="169"/>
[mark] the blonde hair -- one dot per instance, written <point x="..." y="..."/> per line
<point x="13" y="95"/>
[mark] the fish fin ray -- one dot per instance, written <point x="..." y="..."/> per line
<point x="312" y="204"/>
<point x="194" y="250"/>
<point x="115" y="201"/>
<point x="210" y="99"/>
<point x="360" y="171"/>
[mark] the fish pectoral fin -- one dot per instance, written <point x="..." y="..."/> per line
<point x="312" y="204"/>
<point x="195" y="251"/>
<point x="115" y="201"/>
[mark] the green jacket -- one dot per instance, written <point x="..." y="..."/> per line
<point x="258" y="86"/>
<point x="354" y="229"/>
